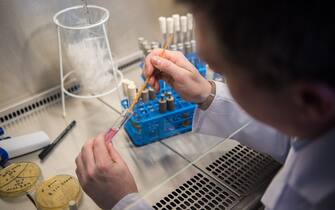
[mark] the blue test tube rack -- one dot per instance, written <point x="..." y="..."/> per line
<point x="148" y="125"/>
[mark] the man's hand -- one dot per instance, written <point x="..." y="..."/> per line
<point x="178" y="72"/>
<point x="102" y="173"/>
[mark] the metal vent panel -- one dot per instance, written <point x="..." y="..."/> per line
<point x="193" y="190"/>
<point x="234" y="169"/>
<point x="33" y="104"/>
<point x="241" y="169"/>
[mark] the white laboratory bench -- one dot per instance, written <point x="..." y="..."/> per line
<point x="158" y="168"/>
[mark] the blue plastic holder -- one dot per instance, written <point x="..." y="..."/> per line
<point x="3" y="157"/>
<point x="149" y="125"/>
<point x="2" y="131"/>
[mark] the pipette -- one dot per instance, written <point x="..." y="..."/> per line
<point x="126" y="115"/>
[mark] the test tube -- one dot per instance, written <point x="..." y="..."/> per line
<point x="194" y="46"/>
<point x="144" y="43"/>
<point x="162" y="24"/>
<point x="173" y="47"/>
<point x="131" y="93"/>
<point x="170" y="101"/>
<point x="183" y="23"/>
<point x="189" y="27"/>
<point x="125" y="87"/>
<point x="162" y="104"/>
<point x="147" y="48"/>
<point x="152" y="94"/>
<point x="169" y="23"/>
<point x="154" y="45"/>
<point x="145" y="95"/>
<point x="180" y="47"/>
<point x="125" y="83"/>
<point x="176" y="22"/>
<point x="187" y="48"/>
<point x="143" y="47"/>
<point x="140" y="42"/>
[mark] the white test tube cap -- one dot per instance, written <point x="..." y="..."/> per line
<point x="131" y="92"/>
<point x="183" y="22"/>
<point x="189" y="21"/>
<point x="169" y="23"/>
<point x="176" y="22"/>
<point x="140" y="42"/>
<point x="140" y="39"/>
<point x="125" y="83"/>
<point x="173" y="47"/>
<point x="162" y="24"/>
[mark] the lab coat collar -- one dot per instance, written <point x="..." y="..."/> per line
<point x="308" y="172"/>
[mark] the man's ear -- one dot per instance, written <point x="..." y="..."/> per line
<point x="315" y="101"/>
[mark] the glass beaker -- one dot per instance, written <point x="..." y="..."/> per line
<point x="84" y="51"/>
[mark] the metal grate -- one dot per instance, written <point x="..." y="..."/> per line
<point x="198" y="193"/>
<point x="242" y="168"/>
<point x="34" y="104"/>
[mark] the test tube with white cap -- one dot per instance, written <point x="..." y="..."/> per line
<point x="162" y="106"/>
<point x="162" y="24"/>
<point x="140" y="42"/>
<point x="152" y="93"/>
<point x="187" y="47"/>
<point x="176" y="22"/>
<point x="131" y="92"/>
<point x="194" y="46"/>
<point x="145" y="43"/>
<point x="183" y="23"/>
<point x="145" y="95"/>
<point x="180" y="47"/>
<point x="189" y="27"/>
<point x="125" y="83"/>
<point x="147" y="48"/>
<point x="154" y="45"/>
<point x="173" y="47"/>
<point x="170" y="29"/>
<point x="170" y="101"/>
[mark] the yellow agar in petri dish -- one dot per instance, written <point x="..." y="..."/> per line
<point x="56" y="192"/>
<point x="18" y="178"/>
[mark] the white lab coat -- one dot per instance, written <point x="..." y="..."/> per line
<point x="307" y="178"/>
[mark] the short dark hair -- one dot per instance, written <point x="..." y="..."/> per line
<point x="278" y="41"/>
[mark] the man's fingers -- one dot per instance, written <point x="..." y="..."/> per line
<point x="148" y="68"/>
<point x="113" y="153"/>
<point x="173" y="56"/>
<point x="87" y="155"/>
<point x="80" y="170"/>
<point x="100" y="151"/>
<point x="168" y="67"/>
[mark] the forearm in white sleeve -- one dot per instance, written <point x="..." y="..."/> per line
<point x="223" y="117"/>
<point x="132" y="202"/>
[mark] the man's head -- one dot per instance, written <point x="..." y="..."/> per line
<point x="276" y="57"/>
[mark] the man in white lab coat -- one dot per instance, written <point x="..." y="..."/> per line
<point x="278" y="61"/>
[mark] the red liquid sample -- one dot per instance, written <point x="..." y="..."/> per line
<point x="110" y="134"/>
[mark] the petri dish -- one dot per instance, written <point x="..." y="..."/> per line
<point x="18" y="178"/>
<point x="56" y="192"/>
